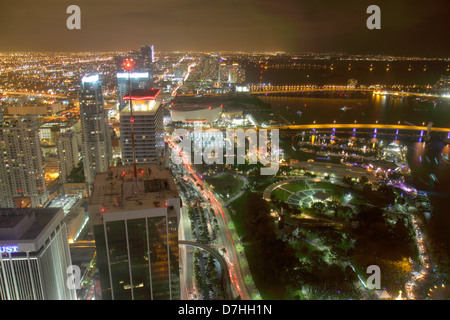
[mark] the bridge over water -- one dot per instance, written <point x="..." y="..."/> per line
<point x="263" y="89"/>
<point x="359" y="126"/>
<point x="269" y="89"/>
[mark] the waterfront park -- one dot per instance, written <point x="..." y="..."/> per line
<point x="310" y="235"/>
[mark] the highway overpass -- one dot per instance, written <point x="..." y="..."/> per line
<point x="226" y="286"/>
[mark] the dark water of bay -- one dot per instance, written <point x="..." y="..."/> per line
<point x="338" y="72"/>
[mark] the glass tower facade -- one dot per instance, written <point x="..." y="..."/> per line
<point x="138" y="258"/>
<point x="136" y="234"/>
<point x="96" y="147"/>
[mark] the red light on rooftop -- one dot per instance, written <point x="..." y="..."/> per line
<point x="128" y="64"/>
<point x="103" y="209"/>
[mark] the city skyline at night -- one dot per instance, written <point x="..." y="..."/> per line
<point x="224" y="151"/>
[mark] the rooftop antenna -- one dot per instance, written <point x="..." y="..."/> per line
<point x="128" y="65"/>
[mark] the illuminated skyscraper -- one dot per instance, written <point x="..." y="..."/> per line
<point x="147" y="124"/>
<point x="34" y="255"/>
<point x="135" y="222"/>
<point x="67" y="153"/>
<point x="143" y="58"/>
<point x="210" y="67"/>
<point x="146" y="57"/>
<point x="22" y="179"/>
<point x="233" y="73"/>
<point x="137" y="80"/>
<point x="96" y="147"/>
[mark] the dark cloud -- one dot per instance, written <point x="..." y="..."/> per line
<point x="412" y="27"/>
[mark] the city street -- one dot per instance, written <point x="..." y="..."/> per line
<point x="187" y="283"/>
<point x="240" y="275"/>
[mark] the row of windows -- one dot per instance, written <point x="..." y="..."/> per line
<point x="142" y="270"/>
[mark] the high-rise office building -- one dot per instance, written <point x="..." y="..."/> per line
<point x="143" y="59"/>
<point x="22" y="178"/>
<point x="231" y="73"/>
<point x="223" y="72"/>
<point x="96" y="149"/>
<point x="210" y="67"/>
<point x="34" y="255"/>
<point x="67" y="153"/>
<point x="147" y="125"/>
<point x="119" y="61"/>
<point x="135" y="222"/>
<point x="146" y="57"/>
<point x="135" y="80"/>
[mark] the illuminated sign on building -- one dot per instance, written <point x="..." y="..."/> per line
<point x="92" y="78"/>
<point x="134" y="75"/>
<point x="6" y="249"/>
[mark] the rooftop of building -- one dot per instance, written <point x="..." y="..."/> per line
<point x="186" y="107"/>
<point x="117" y="189"/>
<point x="18" y="122"/>
<point x="142" y="106"/>
<point x="143" y="94"/>
<point x="25" y="223"/>
<point x="60" y="123"/>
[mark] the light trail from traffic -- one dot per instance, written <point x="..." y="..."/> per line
<point x="238" y="281"/>
<point x="236" y="276"/>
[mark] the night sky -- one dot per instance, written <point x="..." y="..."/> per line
<point x="408" y="27"/>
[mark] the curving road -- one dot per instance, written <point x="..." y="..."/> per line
<point x="223" y="265"/>
<point x="237" y="263"/>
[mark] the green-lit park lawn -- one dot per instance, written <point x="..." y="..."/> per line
<point x="225" y="184"/>
<point x="283" y="192"/>
<point x="323" y="247"/>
